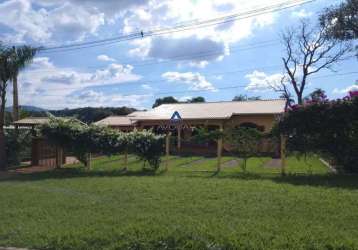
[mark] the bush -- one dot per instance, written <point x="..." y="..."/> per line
<point x="147" y="146"/>
<point x="18" y="147"/>
<point x="82" y="140"/>
<point x="245" y="142"/>
<point x="329" y="128"/>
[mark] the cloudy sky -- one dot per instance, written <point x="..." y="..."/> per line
<point x="214" y="61"/>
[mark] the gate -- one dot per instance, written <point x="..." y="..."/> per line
<point x="45" y="154"/>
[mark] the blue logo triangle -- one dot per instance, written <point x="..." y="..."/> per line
<point x="176" y="116"/>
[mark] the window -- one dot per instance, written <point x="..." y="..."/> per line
<point x="252" y="125"/>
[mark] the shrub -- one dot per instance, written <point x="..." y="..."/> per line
<point x="82" y="139"/>
<point x="245" y="142"/>
<point x="147" y="146"/>
<point x="329" y="128"/>
<point x="18" y="146"/>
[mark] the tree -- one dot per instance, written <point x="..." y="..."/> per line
<point x="164" y="100"/>
<point x="90" y="114"/>
<point x="328" y="128"/>
<point x="246" y="98"/>
<point x="245" y="142"/>
<point x="21" y="57"/>
<point x="11" y="61"/>
<point x="341" y="22"/>
<point x="308" y="51"/>
<point x="318" y="95"/>
<point x="197" y="99"/>
<point x="5" y="75"/>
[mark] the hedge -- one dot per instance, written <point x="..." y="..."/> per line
<point x="82" y="139"/>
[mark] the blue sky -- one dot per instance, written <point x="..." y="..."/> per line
<point x="217" y="62"/>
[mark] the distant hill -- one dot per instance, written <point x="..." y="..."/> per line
<point x="89" y="114"/>
<point x="27" y="108"/>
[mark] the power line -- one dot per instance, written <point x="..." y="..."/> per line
<point x="196" y="25"/>
<point x="193" y="56"/>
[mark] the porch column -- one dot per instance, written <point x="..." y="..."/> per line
<point x="167" y="150"/>
<point x="220" y="149"/>
<point x="179" y="139"/>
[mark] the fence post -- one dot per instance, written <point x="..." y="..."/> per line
<point x="167" y="150"/>
<point x="283" y="154"/>
<point x="35" y="159"/>
<point x="59" y="157"/>
<point x="63" y="156"/>
<point x="88" y="163"/>
<point x="125" y="160"/>
<point x="220" y="149"/>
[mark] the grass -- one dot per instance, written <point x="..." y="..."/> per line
<point x="188" y="207"/>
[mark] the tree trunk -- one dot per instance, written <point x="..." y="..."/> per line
<point x="299" y="99"/>
<point x="15" y="107"/>
<point x="2" y="133"/>
<point x="2" y="150"/>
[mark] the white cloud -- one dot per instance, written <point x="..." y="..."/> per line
<point x="45" y="84"/>
<point x="260" y="81"/>
<point x="217" y="38"/>
<point x="59" y="23"/>
<point x="185" y="98"/>
<point x="346" y="90"/>
<point x="146" y="86"/>
<point x="105" y="58"/>
<point x="302" y="13"/>
<point x="103" y="99"/>
<point x="108" y="7"/>
<point x="195" y="80"/>
<point x="192" y="49"/>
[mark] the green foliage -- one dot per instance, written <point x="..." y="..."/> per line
<point x="318" y="95"/>
<point x="341" y="22"/>
<point x="246" y="98"/>
<point x="90" y="114"/>
<point x="203" y="135"/>
<point x="245" y="142"/>
<point x="18" y="146"/>
<point x="196" y="99"/>
<point x="185" y="208"/>
<point x="82" y="140"/>
<point x="147" y="146"/>
<point x="329" y="128"/>
<point x="164" y="100"/>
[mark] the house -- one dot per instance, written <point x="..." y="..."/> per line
<point x="180" y="118"/>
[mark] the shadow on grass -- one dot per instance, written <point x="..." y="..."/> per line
<point x="345" y="181"/>
<point x="80" y="173"/>
<point x="328" y="180"/>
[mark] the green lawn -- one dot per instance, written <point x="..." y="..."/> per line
<point x="188" y="207"/>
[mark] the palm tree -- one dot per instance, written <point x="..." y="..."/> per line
<point x="21" y="57"/>
<point x="5" y="75"/>
<point x="12" y="60"/>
